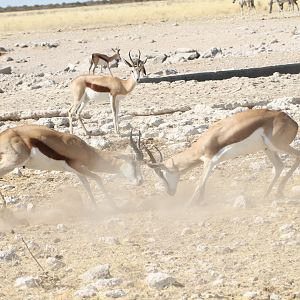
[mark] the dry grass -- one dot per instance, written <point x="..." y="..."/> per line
<point x="114" y="14"/>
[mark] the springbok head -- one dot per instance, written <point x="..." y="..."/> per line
<point x="136" y="65"/>
<point x="168" y="174"/>
<point x="117" y="53"/>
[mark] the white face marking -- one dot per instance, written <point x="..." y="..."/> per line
<point x="255" y="142"/>
<point x="39" y="161"/>
<point x="172" y="178"/>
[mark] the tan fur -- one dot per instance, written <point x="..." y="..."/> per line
<point x="279" y="130"/>
<point x="16" y="146"/>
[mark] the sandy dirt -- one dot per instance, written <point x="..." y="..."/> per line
<point x="215" y="251"/>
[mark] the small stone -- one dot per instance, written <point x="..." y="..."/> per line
<point x="86" y="292"/>
<point x="109" y="240"/>
<point x="98" y="272"/>
<point x="55" y="263"/>
<point x="160" y="280"/>
<point x="115" y="294"/>
<point x="27" y="282"/>
<point x="7" y="255"/>
<point x="5" y="70"/>
<point x="274" y="296"/>
<point x="45" y="122"/>
<point x="61" y="227"/>
<point x="250" y="295"/>
<point x="107" y="282"/>
<point x="202" y="248"/>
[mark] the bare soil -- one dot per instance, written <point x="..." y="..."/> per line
<point x="245" y="248"/>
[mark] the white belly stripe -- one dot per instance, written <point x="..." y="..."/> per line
<point x="96" y="96"/>
<point x="253" y="143"/>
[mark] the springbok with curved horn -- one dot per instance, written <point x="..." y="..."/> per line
<point x="241" y="134"/>
<point x="104" y="60"/>
<point x="100" y="88"/>
<point x="38" y="147"/>
<point x="280" y="3"/>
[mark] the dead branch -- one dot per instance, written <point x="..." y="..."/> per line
<point x="164" y="111"/>
<point x="32" y="255"/>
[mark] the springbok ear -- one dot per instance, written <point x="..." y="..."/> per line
<point x="144" y="71"/>
<point x="145" y="60"/>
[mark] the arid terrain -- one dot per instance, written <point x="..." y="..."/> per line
<point x="237" y="245"/>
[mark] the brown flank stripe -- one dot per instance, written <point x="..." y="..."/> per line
<point x="46" y="150"/>
<point x="97" y="88"/>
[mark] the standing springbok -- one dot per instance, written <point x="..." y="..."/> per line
<point x="241" y="134"/>
<point x="100" y="88"/>
<point x="104" y="60"/>
<point x="280" y="3"/>
<point x="248" y="3"/>
<point x="38" y="147"/>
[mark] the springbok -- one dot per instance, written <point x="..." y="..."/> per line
<point x="104" y="60"/>
<point x="241" y="134"/>
<point x="38" y="147"/>
<point x="100" y="88"/>
<point x="280" y="3"/>
<point x="249" y="3"/>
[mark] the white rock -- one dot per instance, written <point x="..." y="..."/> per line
<point x="27" y="282"/>
<point x="99" y="142"/>
<point x="185" y="50"/>
<point x="218" y="282"/>
<point x="202" y="248"/>
<point x="154" y="121"/>
<point x="107" y="282"/>
<point x="250" y="295"/>
<point x="55" y="263"/>
<point x="240" y="202"/>
<point x="286" y="228"/>
<point x="115" y="294"/>
<point x="275" y="297"/>
<point x="45" y="122"/>
<point x="86" y="292"/>
<point x="159" y="280"/>
<point x="61" y="228"/>
<point x="7" y="255"/>
<point x="98" y="272"/>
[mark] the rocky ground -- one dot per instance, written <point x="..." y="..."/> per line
<point x="236" y="246"/>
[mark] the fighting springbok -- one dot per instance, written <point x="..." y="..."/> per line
<point x="280" y="3"/>
<point x="100" y="88"/>
<point x="248" y="3"/>
<point x="241" y="134"/>
<point x="104" y="60"/>
<point x="38" y="147"/>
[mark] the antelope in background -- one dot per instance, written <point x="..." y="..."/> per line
<point x="280" y="3"/>
<point x="248" y="3"/>
<point x="100" y="88"/>
<point x="41" y="148"/>
<point x="104" y="60"/>
<point x="241" y="134"/>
